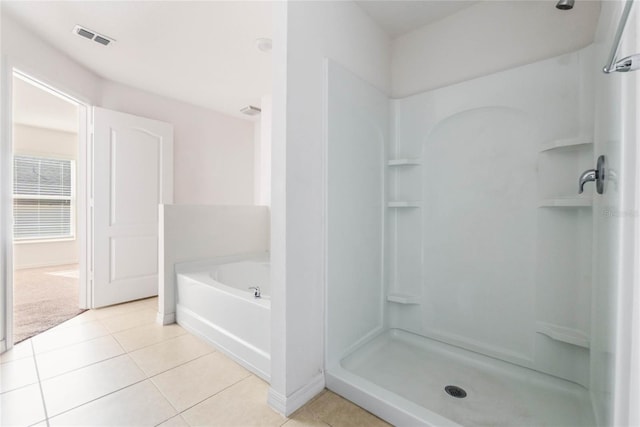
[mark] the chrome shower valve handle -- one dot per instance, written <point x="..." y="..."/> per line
<point x="596" y="175"/>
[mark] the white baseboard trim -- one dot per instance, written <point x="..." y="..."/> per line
<point x="45" y="264"/>
<point x="165" y="318"/>
<point x="288" y="405"/>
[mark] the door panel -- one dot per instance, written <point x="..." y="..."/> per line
<point x="134" y="163"/>
<point x="133" y="173"/>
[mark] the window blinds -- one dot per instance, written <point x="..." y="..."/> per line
<point x="42" y="192"/>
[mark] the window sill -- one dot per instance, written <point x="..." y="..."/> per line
<point x="55" y="240"/>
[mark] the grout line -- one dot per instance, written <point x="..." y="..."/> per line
<point x="98" y="398"/>
<point x="87" y="365"/>
<point x="72" y="344"/>
<point x="168" y="401"/>
<point x="148" y="345"/>
<point x="128" y="328"/>
<point x="215" y="394"/>
<point x="174" y="367"/>
<point x="140" y="307"/>
<point x="44" y="403"/>
<point x="146" y="378"/>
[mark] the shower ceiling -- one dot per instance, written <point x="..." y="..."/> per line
<point x="202" y="53"/>
<point x="400" y="17"/>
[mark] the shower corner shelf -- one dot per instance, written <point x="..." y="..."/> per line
<point x="403" y="162"/>
<point x="559" y="144"/>
<point x="563" y="334"/>
<point x="403" y="298"/>
<point x="403" y="204"/>
<point x="566" y="202"/>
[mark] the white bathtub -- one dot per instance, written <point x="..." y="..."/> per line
<point x="214" y="302"/>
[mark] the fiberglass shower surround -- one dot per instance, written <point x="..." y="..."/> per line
<point x="459" y="252"/>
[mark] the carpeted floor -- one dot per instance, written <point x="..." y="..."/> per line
<point x="43" y="298"/>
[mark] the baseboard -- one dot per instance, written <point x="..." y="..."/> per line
<point x="288" y="405"/>
<point x="44" y="265"/>
<point x="165" y="318"/>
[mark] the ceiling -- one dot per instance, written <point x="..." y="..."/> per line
<point x="200" y="52"/>
<point x="33" y="106"/>
<point x="398" y="17"/>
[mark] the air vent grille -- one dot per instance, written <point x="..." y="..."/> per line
<point x="92" y="35"/>
<point x="85" y="33"/>
<point x="250" y="110"/>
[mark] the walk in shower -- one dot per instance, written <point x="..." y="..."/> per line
<point x="459" y="252"/>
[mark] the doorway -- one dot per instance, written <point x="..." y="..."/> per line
<point x="47" y="135"/>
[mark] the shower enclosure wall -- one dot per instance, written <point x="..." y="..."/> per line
<point x="458" y="250"/>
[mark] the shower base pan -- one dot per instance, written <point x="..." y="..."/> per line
<point x="401" y="377"/>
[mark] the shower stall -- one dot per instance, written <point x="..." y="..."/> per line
<point x="460" y="255"/>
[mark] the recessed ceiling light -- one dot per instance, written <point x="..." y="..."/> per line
<point x="92" y="35"/>
<point x="264" y="44"/>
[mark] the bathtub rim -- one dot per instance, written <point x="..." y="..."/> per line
<point x="204" y="278"/>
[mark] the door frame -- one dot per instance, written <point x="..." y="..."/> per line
<point x="83" y="192"/>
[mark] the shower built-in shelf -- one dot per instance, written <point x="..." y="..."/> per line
<point x="403" y="204"/>
<point x="560" y="144"/>
<point x="403" y="298"/>
<point x="563" y="334"/>
<point x="403" y="162"/>
<point x="566" y="202"/>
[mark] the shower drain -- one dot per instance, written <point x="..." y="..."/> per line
<point x="455" y="391"/>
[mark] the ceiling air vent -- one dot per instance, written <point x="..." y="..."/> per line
<point x="92" y="35"/>
<point x="250" y="110"/>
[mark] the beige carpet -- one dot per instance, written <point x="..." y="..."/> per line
<point x="43" y="298"/>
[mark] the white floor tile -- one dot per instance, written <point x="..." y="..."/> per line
<point x="120" y="309"/>
<point x="138" y="405"/>
<point x="176" y="421"/>
<point x="59" y="338"/>
<point x="75" y="388"/>
<point x="143" y="336"/>
<point x="199" y="379"/>
<point x="129" y="320"/>
<point x="22" y="407"/>
<point x="76" y="356"/>
<point x="18" y="351"/>
<point x="17" y="373"/>
<point x="87" y="316"/>
<point x="169" y="354"/>
<point x="243" y="404"/>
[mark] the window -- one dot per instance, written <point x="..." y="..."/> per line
<point x="43" y="198"/>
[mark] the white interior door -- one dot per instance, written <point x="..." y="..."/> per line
<point x="132" y="174"/>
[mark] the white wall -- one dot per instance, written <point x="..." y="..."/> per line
<point x="21" y="49"/>
<point x="487" y="37"/>
<point x="213" y="152"/>
<point x="199" y="232"/>
<point x="614" y="356"/>
<point x="35" y="57"/>
<point x="357" y="136"/>
<point x="29" y="140"/>
<point x="262" y="176"/>
<point x="213" y="159"/>
<point x="312" y="31"/>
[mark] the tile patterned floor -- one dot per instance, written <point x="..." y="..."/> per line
<point x="115" y="366"/>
